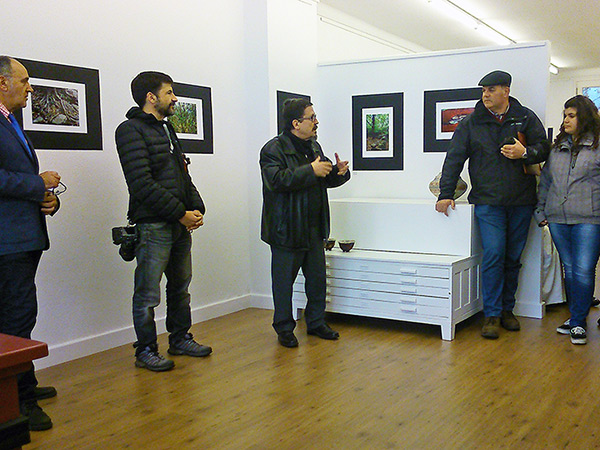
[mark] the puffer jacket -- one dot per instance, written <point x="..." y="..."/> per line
<point x="287" y="176"/>
<point x="495" y="179"/>
<point x="569" y="190"/>
<point x="160" y="188"/>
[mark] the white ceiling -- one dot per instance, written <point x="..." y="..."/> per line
<point x="572" y="26"/>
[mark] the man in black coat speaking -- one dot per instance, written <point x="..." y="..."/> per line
<point x="295" y="217"/>
<point x="166" y="207"/>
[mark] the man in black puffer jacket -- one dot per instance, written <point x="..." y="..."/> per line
<point x="499" y="138"/>
<point x="166" y="207"/>
<point x="295" y="217"/>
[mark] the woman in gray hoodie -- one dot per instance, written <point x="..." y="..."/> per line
<point x="569" y="202"/>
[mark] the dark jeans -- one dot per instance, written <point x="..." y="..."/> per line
<point x="18" y="305"/>
<point x="579" y="248"/>
<point x="503" y="232"/>
<point x="163" y="248"/>
<point x="285" y="265"/>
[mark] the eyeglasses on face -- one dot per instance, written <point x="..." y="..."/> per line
<point x="312" y="118"/>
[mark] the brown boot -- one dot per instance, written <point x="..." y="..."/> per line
<point x="509" y="321"/>
<point x="491" y="328"/>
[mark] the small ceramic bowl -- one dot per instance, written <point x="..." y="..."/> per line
<point x="346" y="245"/>
<point x="329" y="243"/>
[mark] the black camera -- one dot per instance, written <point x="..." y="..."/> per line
<point x="127" y="237"/>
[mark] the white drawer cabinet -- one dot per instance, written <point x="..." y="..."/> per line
<point x="414" y="287"/>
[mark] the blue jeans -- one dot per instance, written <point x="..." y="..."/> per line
<point x="579" y="248"/>
<point x="503" y="232"/>
<point x="163" y="248"/>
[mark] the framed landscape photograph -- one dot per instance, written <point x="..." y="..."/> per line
<point x="443" y="111"/>
<point x="193" y="118"/>
<point x="63" y="112"/>
<point x="377" y="132"/>
<point x="282" y="96"/>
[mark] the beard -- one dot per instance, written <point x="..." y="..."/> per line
<point x="166" y="110"/>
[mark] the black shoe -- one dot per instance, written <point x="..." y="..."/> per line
<point x="40" y="393"/>
<point x="324" y="332"/>
<point x="287" y="339"/>
<point x="38" y="419"/>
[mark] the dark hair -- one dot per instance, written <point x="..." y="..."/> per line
<point x="6" y="69"/>
<point x="293" y="108"/>
<point x="148" y="82"/>
<point x="588" y="120"/>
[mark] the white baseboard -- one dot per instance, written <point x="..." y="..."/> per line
<point x="531" y="310"/>
<point x="89" y="345"/>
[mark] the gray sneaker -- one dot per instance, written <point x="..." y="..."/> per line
<point x="188" y="346"/>
<point x="150" y="359"/>
<point x="565" y="328"/>
<point x="578" y="336"/>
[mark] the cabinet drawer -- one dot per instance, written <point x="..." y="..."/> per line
<point x="392" y="267"/>
<point x="409" y="289"/>
<point x="411" y="280"/>
<point x="376" y="296"/>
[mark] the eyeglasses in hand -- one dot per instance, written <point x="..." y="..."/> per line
<point x="58" y="189"/>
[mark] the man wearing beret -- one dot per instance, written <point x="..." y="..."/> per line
<point x="499" y="138"/>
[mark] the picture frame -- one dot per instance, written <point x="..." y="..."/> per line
<point x="590" y="88"/>
<point x="282" y="96"/>
<point x="442" y="111"/>
<point x="193" y="120"/>
<point x="63" y="112"/>
<point x="378" y="131"/>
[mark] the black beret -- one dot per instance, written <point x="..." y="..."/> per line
<point x="496" y="78"/>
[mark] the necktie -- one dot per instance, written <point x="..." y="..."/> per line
<point x="15" y="125"/>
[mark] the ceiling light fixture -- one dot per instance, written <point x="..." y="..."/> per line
<point x="466" y="18"/>
<point x="463" y="16"/>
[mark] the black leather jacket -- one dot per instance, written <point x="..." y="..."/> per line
<point x="495" y="179"/>
<point x="286" y="177"/>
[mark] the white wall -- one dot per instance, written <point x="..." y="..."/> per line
<point x="289" y="48"/>
<point x="84" y="287"/>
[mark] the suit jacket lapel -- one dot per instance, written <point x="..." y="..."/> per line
<point x="28" y="151"/>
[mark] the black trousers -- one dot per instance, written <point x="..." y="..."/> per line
<point x="18" y="306"/>
<point x="285" y="265"/>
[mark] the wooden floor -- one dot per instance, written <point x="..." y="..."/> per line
<point x="383" y="385"/>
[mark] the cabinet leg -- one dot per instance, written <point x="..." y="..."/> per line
<point x="448" y="332"/>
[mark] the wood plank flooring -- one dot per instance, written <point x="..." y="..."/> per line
<point x="383" y="385"/>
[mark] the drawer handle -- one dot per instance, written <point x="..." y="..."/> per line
<point x="412" y="291"/>
<point x="408" y="272"/>
<point x="409" y="302"/>
<point x="409" y="310"/>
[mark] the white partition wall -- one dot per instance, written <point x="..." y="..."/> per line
<point x="413" y="75"/>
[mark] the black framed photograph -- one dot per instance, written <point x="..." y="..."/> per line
<point x="193" y="118"/>
<point x="443" y="111"/>
<point x="378" y="132"/>
<point x="64" y="109"/>
<point x="282" y="96"/>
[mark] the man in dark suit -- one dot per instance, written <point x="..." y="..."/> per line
<point x="25" y="199"/>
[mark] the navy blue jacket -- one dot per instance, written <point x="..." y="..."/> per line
<point x="495" y="179"/>
<point x="22" y="223"/>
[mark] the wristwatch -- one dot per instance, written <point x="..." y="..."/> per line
<point x="524" y="154"/>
